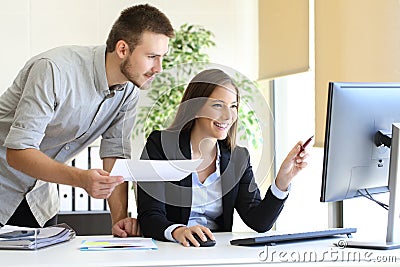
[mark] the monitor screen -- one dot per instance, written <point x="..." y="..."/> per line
<point x="353" y="163"/>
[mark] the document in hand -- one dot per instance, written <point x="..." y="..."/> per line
<point x="154" y="170"/>
<point x="116" y="243"/>
<point x="14" y="237"/>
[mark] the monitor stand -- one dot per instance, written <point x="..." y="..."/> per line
<point x="393" y="224"/>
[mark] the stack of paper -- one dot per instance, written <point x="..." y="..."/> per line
<point x="128" y="243"/>
<point x="14" y="237"/>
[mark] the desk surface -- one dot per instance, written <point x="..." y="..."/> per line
<point x="316" y="253"/>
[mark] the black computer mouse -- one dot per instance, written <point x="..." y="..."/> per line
<point x="208" y="243"/>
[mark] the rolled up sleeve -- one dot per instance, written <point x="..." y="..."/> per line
<point x="38" y="98"/>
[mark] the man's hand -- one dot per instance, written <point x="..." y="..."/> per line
<point x="36" y="164"/>
<point x="98" y="183"/>
<point x="126" y="227"/>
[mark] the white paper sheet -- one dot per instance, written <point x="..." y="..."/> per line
<point x="154" y="170"/>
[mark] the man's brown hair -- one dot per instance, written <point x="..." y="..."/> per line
<point x="136" y="20"/>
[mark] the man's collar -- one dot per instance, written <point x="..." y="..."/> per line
<point x="100" y="75"/>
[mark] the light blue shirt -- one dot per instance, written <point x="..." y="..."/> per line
<point x="59" y="105"/>
<point x="207" y="200"/>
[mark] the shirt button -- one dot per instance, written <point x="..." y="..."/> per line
<point x="66" y="147"/>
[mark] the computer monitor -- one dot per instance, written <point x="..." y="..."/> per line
<point x="360" y="118"/>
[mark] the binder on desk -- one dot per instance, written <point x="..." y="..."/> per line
<point x="65" y="195"/>
<point x="80" y="161"/>
<point x="77" y="199"/>
<point x="94" y="162"/>
<point x="81" y="199"/>
<point x="97" y="204"/>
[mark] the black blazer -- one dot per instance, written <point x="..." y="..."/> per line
<point x="161" y="204"/>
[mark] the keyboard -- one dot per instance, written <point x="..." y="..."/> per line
<point x="299" y="236"/>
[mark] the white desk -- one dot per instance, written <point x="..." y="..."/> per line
<point x="321" y="253"/>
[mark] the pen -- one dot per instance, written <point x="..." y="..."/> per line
<point x="306" y="143"/>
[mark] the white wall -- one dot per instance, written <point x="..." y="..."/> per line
<point x="28" y="27"/>
<point x="294" y="121"/>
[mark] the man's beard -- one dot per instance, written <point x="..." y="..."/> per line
<point x="135" y="77"/>
<point x="124" y="67"/>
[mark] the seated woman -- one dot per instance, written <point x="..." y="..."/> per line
<point x="205" y="128"/>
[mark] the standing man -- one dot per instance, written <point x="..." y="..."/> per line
<point x="63" y="100"/>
